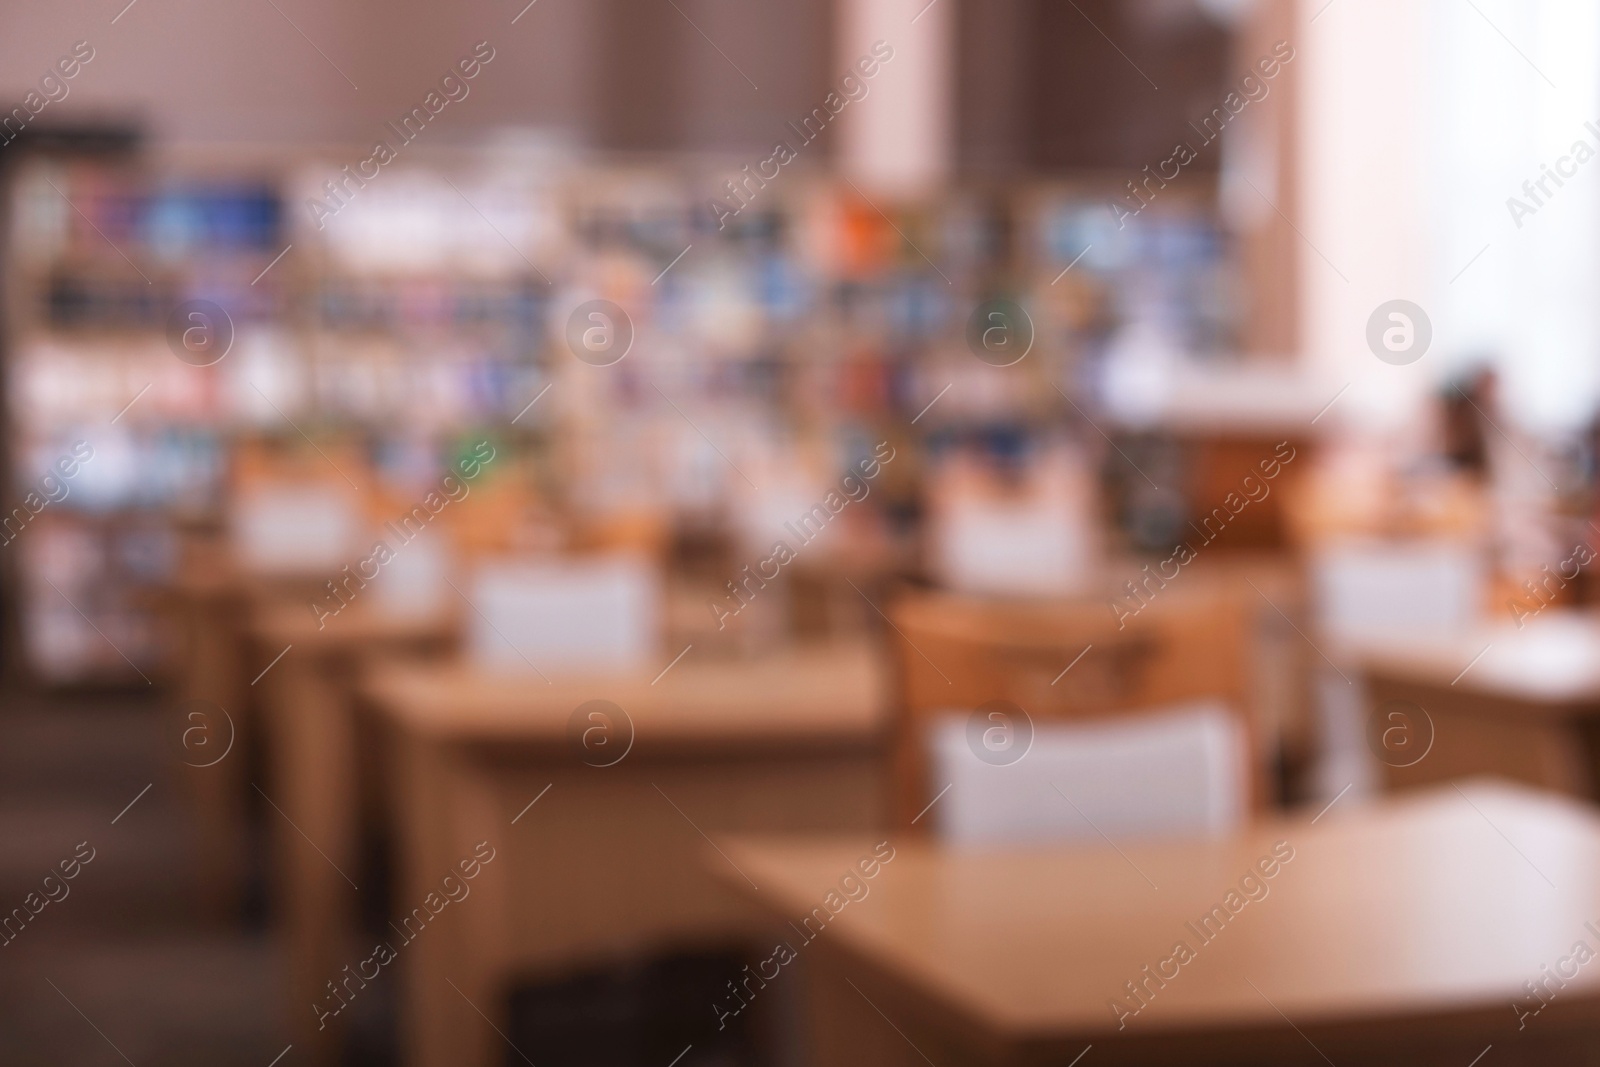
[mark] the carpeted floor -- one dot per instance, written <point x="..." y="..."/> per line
<point x="122" y="968"/>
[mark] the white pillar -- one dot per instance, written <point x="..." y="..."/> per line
<point x="900" y="140"/>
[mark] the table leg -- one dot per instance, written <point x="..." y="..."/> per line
<point x="451" y="996"/>
<point x="309" y="727"/>
<point x="212" y="672"/>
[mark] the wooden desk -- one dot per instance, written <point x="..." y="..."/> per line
<point x="317" y="781"/>
<point x="606" y="864"/>
<point x="206" y="603"/>
<point x="1528" y="709"/>
<point x="1397" y="933"/>
<point x="212" y="601"/>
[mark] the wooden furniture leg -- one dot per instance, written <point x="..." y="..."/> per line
<point x="310" y="733"/>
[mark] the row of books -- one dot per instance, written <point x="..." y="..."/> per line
<point x="445" y="301"/>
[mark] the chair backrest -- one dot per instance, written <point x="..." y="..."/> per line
<point x="565" y="615"/>
<point x="1067" y="662"/>
<point x="1367" y="588"/>
<point x="297" y="528"/>
<point x="1037" y="536"/>
<point x="1175" y="771"/>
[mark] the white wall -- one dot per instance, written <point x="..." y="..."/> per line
<point x="1529" y="299"/>
<point x="1363" y="219"/>
<point x="1418" y="121"/>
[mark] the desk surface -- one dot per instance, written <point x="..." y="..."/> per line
<point x="288" y="620"/>
<point x="1553" y="660"/>
<point x="819" y="693"/>
<point x="211" y="570"/>
<point x="1435" y="907"/>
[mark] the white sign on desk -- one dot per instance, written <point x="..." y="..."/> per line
<point x="565" y="616"/>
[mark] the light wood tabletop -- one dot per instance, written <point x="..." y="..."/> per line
<point x="1551" y="662"/>
<point x="1416" y="917"/>
<point x="1495" y="698"/>
<point x="825" y="693"/>
<point x="290" y="621"/>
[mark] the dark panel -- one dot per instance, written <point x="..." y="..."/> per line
<point x="783" y="46"/>
<point x="1114" y="83"/>
<point x="638" y="73"/>
<point x="993" y="63"/>
<point x="708" y="75"/>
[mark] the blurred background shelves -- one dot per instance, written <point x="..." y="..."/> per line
<point x="431" y="307"/>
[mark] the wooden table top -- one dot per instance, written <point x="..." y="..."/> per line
<point x="1553" y="660"/>
<point x="1435" y="907"/>
<point x="821" y="693"/>
<point x="290" y="620"/>
<point x="1050" y="622"/>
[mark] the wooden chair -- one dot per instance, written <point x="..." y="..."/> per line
<point x="1065" y="662"/>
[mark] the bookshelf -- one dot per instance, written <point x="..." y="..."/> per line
<point x="434" y="308"/>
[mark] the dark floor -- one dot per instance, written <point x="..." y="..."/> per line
<point x="123" y="968"/>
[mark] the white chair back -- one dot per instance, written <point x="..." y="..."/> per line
<point x="565" y="616"/>
<point x="1373" y="588"/>
<point x="415" y="583"/>
<point x="1040" y="539"/>
<point x="1178" y="771"/>
<point x="297" y="529"/>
